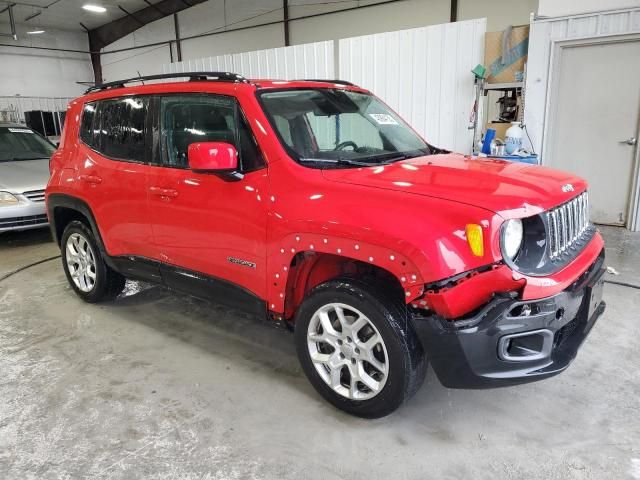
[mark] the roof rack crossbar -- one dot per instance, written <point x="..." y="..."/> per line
<point x="192" y="76"/>
<point x="339" y="82"/>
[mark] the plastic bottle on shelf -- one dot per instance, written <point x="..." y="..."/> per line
<point x="513" y="138"/>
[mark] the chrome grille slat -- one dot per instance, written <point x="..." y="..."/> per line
<point x="35" y="195"/>
<point x="565" y="227"/>
<point x="567" y="223"/>
<point x="553" y="233"/>
<point x="573" y="221"/>
<point x="556" y="232"/>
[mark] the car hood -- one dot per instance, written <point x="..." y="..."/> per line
<point x="24" y="175"/>
<point x="510" y="189"/>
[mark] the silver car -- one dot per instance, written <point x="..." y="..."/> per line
<point x="24" y="172"/>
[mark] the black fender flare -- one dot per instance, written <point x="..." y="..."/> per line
<point x="56" y="200"/>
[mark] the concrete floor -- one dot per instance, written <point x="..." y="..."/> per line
<point x="156" y="385"/>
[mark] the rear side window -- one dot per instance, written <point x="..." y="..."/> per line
<point x="187" y="119"/>
<point x="122" y="128"/>
<point x="86" y="125"/>
<point x="116" y="128"/>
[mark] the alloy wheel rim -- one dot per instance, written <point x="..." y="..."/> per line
<point x="347" y="351"/>
<point x="81" y="262"/>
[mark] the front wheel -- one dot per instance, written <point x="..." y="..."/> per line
<point x="358" y="347"/>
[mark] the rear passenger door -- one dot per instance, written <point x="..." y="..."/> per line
<point x="208" y="224"/>
<point x="113" y="173"/>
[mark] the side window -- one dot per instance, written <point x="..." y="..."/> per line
<point x="122" y="128"/>
<point x="86" y="125"/>
<point x="187" y="119"/>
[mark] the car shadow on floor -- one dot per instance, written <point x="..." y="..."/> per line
<point x="211" y="327"/>
<point x="219" y="330"/>
<point x="25" y="238"/>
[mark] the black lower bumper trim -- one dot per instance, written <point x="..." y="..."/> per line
<point x="513" y="341"/>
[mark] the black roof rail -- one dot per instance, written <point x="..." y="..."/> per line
<point x="192" y="76"/>
<point x="339" y="82"/>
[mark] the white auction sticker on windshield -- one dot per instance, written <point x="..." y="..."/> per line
<point x="20" y="130"/>
<point x="383" y="118"/>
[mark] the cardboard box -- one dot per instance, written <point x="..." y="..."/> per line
<point x="497" y="72"/>
<point x="500" y="128"/>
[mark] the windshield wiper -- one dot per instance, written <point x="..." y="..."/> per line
<point x="388" y="158"/>
<point x="372" y="161"/>
<point x="339" y="161"/>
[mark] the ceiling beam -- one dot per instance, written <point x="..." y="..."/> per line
<point x="142" y="24"/>
<point x="153" y="6"/>
<point x="12" y="23"/>
<point x="32" y="16"/>
<point x="106" y="34"/>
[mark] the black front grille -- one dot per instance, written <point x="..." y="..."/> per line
<point x="23" y="221"/>
<point x="35" y="195"/>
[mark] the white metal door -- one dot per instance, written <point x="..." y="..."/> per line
<point x="594" y="112"/>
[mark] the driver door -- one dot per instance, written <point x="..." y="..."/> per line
<point x="210" y="230"/>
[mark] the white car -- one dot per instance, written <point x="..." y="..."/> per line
<point x="24" y="172"/>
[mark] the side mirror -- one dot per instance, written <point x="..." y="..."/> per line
<point x="218" y="158"/>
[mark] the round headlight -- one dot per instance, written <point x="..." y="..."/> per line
<point x="512" y="238"/>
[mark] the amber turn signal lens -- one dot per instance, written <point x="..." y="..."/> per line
<point x="474" y="238"/>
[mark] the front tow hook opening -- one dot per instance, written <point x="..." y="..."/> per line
<point x="526" y="346"/>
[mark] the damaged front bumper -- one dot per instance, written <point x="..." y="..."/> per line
<point x="511" y="341"/>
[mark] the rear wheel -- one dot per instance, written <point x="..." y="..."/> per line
<point x="358" y="347"/>
<point x="88" y="274"/>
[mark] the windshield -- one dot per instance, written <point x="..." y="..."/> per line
<point x="21" y="143"/>
<point x="340" y="127"/>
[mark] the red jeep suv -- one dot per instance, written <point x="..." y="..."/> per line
<point x="311" y="203"/>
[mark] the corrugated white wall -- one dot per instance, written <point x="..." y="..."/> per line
<point x="217" y="63"/>
<point x="542" y="37"/>
<point x="221" y="17"/>
<point x="422" y="73"/>
<point x="311" y="60"/>
<point x="560" y="8"/>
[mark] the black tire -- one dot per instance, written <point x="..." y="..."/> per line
<point x="108" y="282"/>
<point x="406" y="360"/>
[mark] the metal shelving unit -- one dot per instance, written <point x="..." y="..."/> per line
<point x="503" y="86"/>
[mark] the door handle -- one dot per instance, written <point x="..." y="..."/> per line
<point x="164" y="192"/>
<point x="630" y="141"/>
<point x="93" y="179"/>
